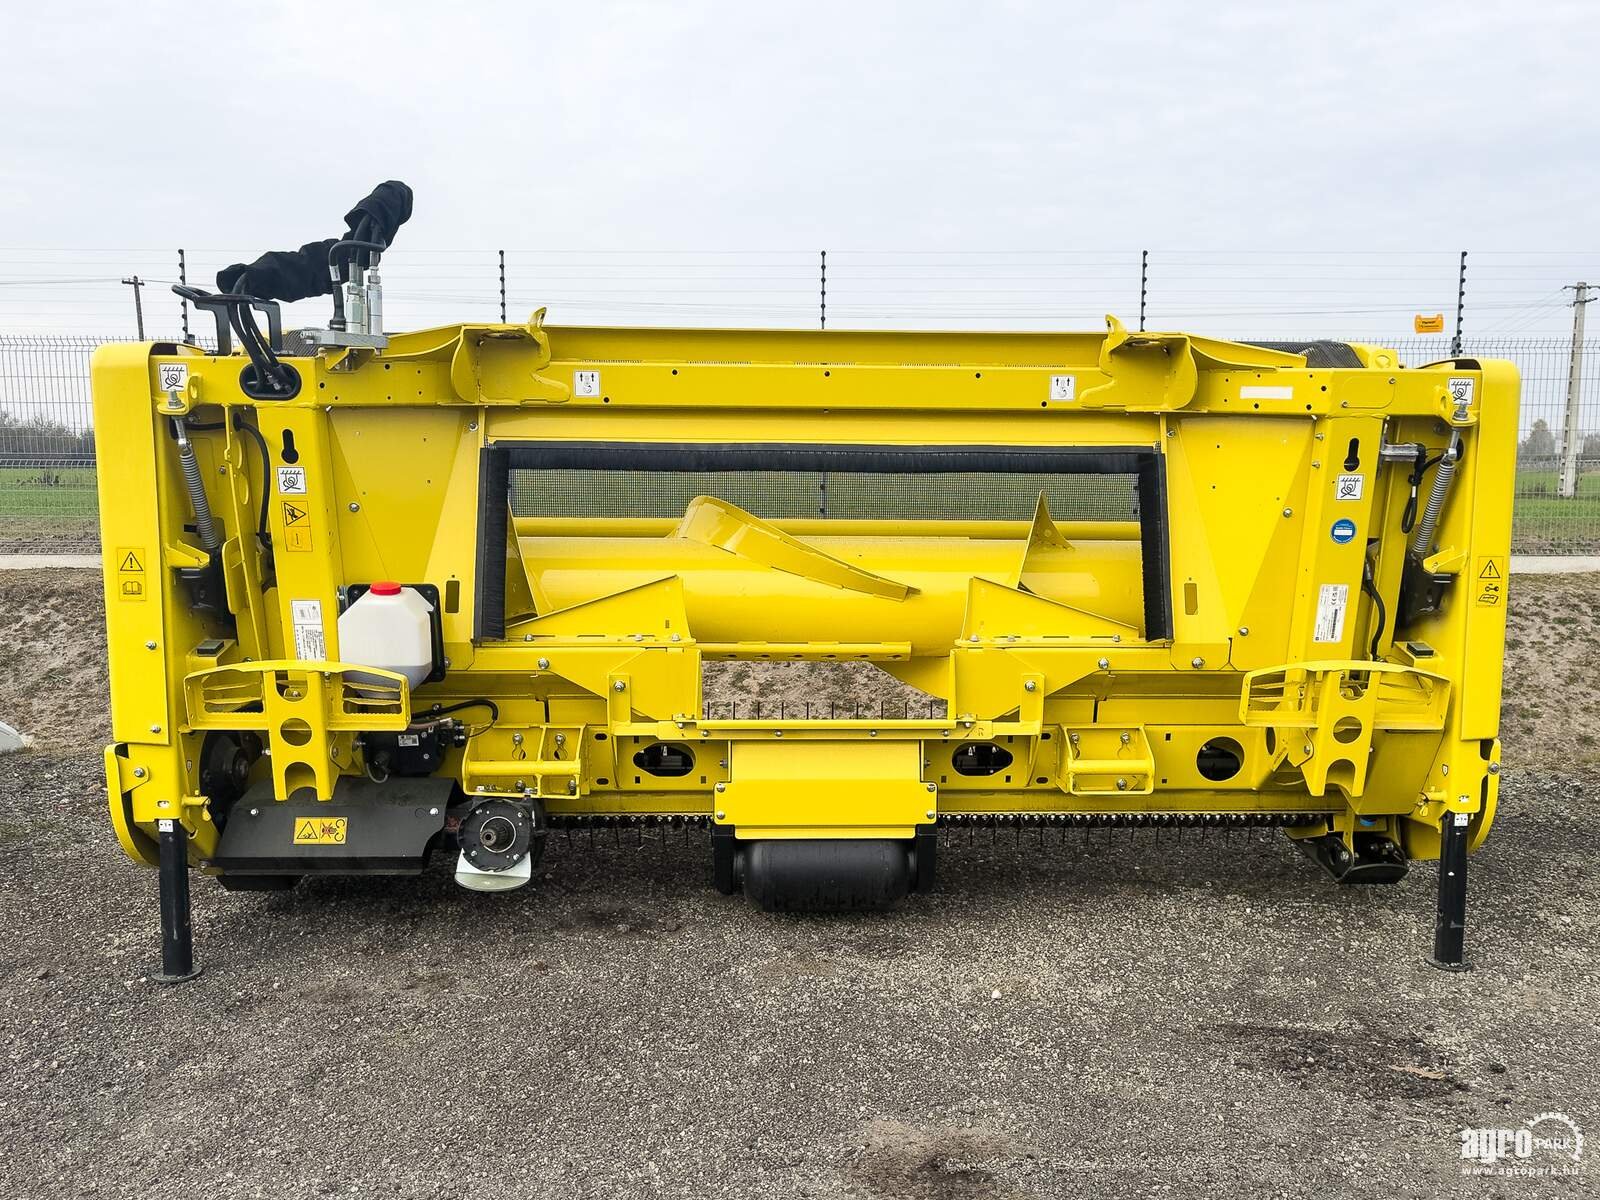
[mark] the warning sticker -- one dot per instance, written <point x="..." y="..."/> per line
<point x="296" y="526"/>
<point x="1462" y="388"/>
<point x="1489" y="584"/>
<point x="292" y="481"/>
<point x="172" y="377"/>
<point x="1349" y="487"/>
<point x="1063" y="387"/>
<point x="586" y="383"/>
<point x="1332" y="601"/>
<point x="320" y="831"/>
<point x="310" y="644"/>
<point x="130" y="573"/>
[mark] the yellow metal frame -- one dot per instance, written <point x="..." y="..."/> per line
<point x="1029" y="632"/>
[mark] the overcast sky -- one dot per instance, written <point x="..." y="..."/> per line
<point x="869" y="127"/>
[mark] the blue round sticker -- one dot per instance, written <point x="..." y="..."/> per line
<point x="1344" y="530"/>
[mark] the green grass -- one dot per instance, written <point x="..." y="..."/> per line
<point x="48" y="510"/>
<point x="1542" y="522"/>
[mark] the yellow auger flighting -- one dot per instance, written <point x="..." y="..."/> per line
<point x="370" y="593"/>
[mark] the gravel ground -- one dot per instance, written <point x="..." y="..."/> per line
<point x="1122" y="1017"/>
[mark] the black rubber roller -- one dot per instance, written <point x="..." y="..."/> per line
<point x="832" y="875"/>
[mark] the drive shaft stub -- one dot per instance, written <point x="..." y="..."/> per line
<point x="498" y="833"/>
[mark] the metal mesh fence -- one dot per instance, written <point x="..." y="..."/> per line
<point x="843" y="496"/>
<point x="47" y="451"/>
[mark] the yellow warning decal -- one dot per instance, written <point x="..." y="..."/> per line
<point x="130" y="573"/>
<point x="320" y="831"/>
<point x="296" y="526"/>
<point x="1489" y="586"/>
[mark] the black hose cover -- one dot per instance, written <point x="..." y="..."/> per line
<point x="388" y="208"/>
<point x="284" y="274"/>
<point x="290" y="275"/>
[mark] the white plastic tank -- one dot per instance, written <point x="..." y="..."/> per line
<point x="389" y="627"/>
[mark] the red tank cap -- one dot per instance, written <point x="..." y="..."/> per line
<point x="385" y="587"/>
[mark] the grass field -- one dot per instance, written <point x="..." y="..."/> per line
<point x="48" y="509"/>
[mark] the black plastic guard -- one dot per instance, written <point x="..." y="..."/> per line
<point x="387" y="830"/>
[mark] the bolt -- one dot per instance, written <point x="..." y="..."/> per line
<point x="721" y="815"/>
<point x="527" y="637"/>
<point x="873" y="733"/>
<point x="522" y="785"/>
<point x="1105" y="664"/>
<point x="1288" y="512"/>
<point x="1494" y="768"/>
<point x="433" y="812"/>
<point x="1316" y="462"/>
<point x="544" y="664"/>
<point x="675" y="638"/>
<point x="1197" y="663"/>
<point x="1126" y="737"/>
<point x="930" y="814"/>
<point x="1122" y="785"/>
<point x="1116" y="637"/>
<point x="561" y="739"/>
<point x="1030" y="686"/>
<point x="777" y="733"/>
<point x="255" y="812"/>
<point x="973" y="638"/>
<point x="149" y="645"/>
<point x="155" y="729"/>
<point x="472" y="426"/>
<point x="163" y="803"/>
<point x="619" y="686"/>
<point x="138" y="772"/>
<point x="516" y="739"/>
<point x="932" y="787"/>
<point x="722" y="787"/>
<point x="1244" y="631"/>
<point x="354" y="507"/>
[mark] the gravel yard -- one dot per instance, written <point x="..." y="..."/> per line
<point x="1124" y="1016"/>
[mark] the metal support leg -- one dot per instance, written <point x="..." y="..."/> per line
<point x="177" y="938"/>
<point x="1450" y="926"/>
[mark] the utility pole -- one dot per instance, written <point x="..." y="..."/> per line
<point x="138" y="304"/>
<point x="1571" y="436"/>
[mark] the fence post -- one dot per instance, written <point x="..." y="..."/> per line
<point x="822" y="299"/>
<point x="1571" y="435"/>
<point x="1461" y="306"/>
<point x="183" y="278"/>
<point x="1144" y="284"/>
<point x="502" y="287"/>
